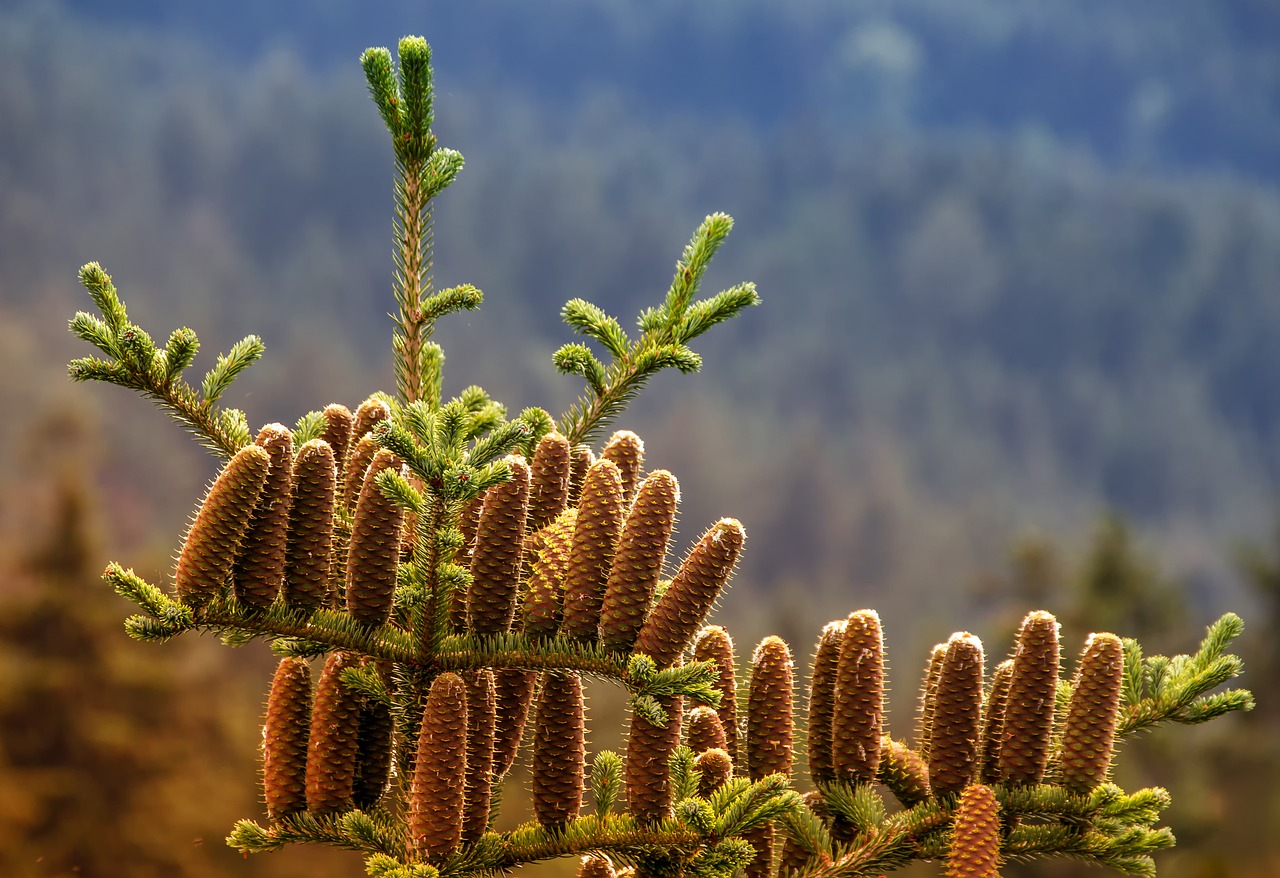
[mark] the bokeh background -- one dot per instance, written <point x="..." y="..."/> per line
<point x="1019" y="346"/>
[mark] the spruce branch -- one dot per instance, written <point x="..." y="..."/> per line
<point x="663" y="343"/>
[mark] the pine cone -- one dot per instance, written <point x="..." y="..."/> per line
<point x="637" y="564"/>
<point x="857" y="724"/>
<point x="496" y="559"/>
<point x="761" y="840"/>
<point x="481" y="722"/>
<point x="559" y="750"/>
<point x="468" y="522"/>
<point x="284" y="739"/>
<point x="703" y="730"/>
<point x="928" y="698"/>
<point x="514" y="695"/>
<point x="626" y="450"/>
<point x="649" y="749"/>
<point x="904" y="772"/>
<point x="993" y="721"/>
<point x="331" y="755"/>
<point x="260" y="563"/>
<point x="374" y="554"/>
<point x="953" y="744"/>
<point x="357" y="465"/>
<point x="549" y="480"/>
<point x="596" y="866"/>
<point x="595" y="538"/>
<point x="436" y="796"/>
<point x="822" y="702"/>
<point x="770" y="731"/>
<point x="975" y="840"/>
<point x="1091" y="721"/>
<point x="310" y="536"/>
<point x="715" y="646"/>
<point x="371" y="412"/>
<point x="337" y="432"/>
<point x="1028" y="713"/>
<point x="581" y="459"/>
<point x="214" y="539"/>
<point x="543" y="608"/>
<point x="373" y="746"/>
<point x="715" y="767"/>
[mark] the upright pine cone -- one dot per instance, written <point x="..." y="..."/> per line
<point x="337" y="432"/>
<point x="903" y="772"/>
<point x="260" y="563"/>
<point x="374" y="554"/>
<point x="648" y="763"/>
<point x="715" y="768"/>
<point x="975" y="840"/>
<point x="953" y="744"/>
<point x="559" y="749"/>
<point x="993" y="721"/>
<point x="581" y="459"/>
<point x="481" y="722"/>
<point x="685" y="604"/>
<point x="715" y="646"/>
<point x="371" y="412"/>
<point x="543" y="609"/>
<point x="1028" y="713"/>
<point x="358" y="461"/>
<point x="761" y="840"/>
<point x="331" y="755"/>
<point x="468" y="522"/>
<point x="857" y="724"/>
<point x="595" y="538"/>
<point x="373" y="746"/>
<point x="219" y="527"/>
<point x="1091" y="721"/>
<point x="769" y="705"/>
<point x="626" y="450"/>
<point x="513" y="691"/>
<point x="822" y="702"/>
<point x="284" y="739"/>
<point x="928" y="698"/>
<point x="310" y="538"/>
<point x="437" y="794"/>
<point x="703" y="730"/>
<point x="637" y="565"/>
<point x="495" y="561"/>
<point x="549" y="480"/>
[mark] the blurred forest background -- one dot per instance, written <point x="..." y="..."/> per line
<point x="1019" y="348"/>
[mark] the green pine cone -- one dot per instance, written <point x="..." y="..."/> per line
<point x="548" y="480"/>
<point x="975" y="840"/>
<point x="559" y="750"/>
<point x="374" y="553"/>
<point x="357" y="465"/>
<point x="703" y="730"/>
<point x="648" y="763"/>
<point x="481" y="723"/>
<point x="637" y="564"/>
<point x="993" y="721"/>
<point x="543" y="608"/>
<point x="1028" y="713"/>
<point x="957" y="717"/>
<point x="1090" y="729"/>
<point x="284" y="739"/>
<point x="770" y="729"/>
<point x="626" y="450"/>
<point x="595" y="538"/>
<point x="581" y="459"/>
<point x="715" y="767"/>
<point x="260" y="563"/>
<point x="822" y="702"/>
<point x="685" y="604"/>
<point x="715" y="646"/>
<point x="210" y="549"/>
<point x="331" y="755"/>
<point x="310" y="536"/>
<point x="499" y="550"/>
<point x="373" y="746"/>
<point x="904" y="772"/>
<point x="857" y="724"/>
<point x="437" y="793"/>
<point x="928" y="698"/>
<point x="337" y="432"/>
<point x="513" y="692"/>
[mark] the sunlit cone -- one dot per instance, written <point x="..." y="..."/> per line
<point x="374" y="553"/>
<point x="358" y="461"/>
<point x="543" y="608"/>
<point x="626" y="450"/>
<point x="928" y="696"/>
<point x="957" y="717"/>
<point x="559" y="749"/>
<point x="993" y="721"/>
<point x="373" y="746"/>
<point x="596" y="866"/>
<point x="904" y="772"/>
<point x="337" y="432"/>
<point x="715" y="767"/>
<point x="495" y="562"/>
<point x="637" y="564"/>
<point x="548" y="480"/>
<point x="581" y="459"/>
<point x="284" y="739"/>
<point x="437" y="794"/>
<point x="331" y="755"/>
<point x="703" y="731"/>
<point x="595" y="538"/>
<point x="260" y="563"/>
<point x="219" y="527"/>
<point x="481" y="722"/>
<point x="370" y="413"/>
<point x="715" y="646"/>
<point x="975" y="840"/>
<point x="770" y="731"/>
<point x="856" y="726"/>
<point x="468" y="521"/>
<point x="1090" y="729"/>
<point x="513" y="691"/>
<point x="648" y="763"/>
<point x="685" y="604"/>
<point x="822" y="702"/>
<point x="310" y="537"/>
<point x="1028" y="713"/>
<point x="761" y="839"/>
